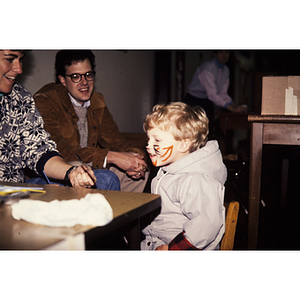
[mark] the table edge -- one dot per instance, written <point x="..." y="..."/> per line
<point x="273" y="119"/>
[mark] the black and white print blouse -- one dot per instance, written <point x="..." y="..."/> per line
<point x="23" y="139"/>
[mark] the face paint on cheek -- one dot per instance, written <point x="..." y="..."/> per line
<point x="156" y="150"/>
<point x="164" y="153"/>
<point x="168" y="153"/>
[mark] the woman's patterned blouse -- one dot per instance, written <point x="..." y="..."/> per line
<point x="23" y="139"/>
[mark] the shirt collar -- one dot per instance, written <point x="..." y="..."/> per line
<point x="85" y="104"/>
<point x="219" y="64"/>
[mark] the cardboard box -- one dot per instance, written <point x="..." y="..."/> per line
<point x="280" y="95"/>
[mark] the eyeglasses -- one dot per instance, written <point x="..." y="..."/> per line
<point x="76" y="77"/>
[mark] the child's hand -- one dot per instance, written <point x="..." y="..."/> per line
<point x="162" y="247"/>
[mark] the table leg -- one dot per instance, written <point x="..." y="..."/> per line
<point x="134" y="236"/>
<point x="284" y="182"/>
<point x="254" y="183"/>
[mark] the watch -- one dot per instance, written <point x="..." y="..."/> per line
<point x="68" y="173"/>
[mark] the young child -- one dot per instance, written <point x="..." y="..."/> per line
<point x="190" y="181"/>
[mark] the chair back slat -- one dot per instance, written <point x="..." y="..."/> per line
<point x="232" y="212"/>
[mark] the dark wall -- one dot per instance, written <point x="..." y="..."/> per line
<point x="162" y="76"/>
<point x="283" y="62"/>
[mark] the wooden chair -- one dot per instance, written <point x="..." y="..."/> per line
<point x="232" y="212"/>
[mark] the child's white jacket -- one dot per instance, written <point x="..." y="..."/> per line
<point x="192" y="194"/>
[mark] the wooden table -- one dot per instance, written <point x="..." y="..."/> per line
<point x="18" y="235"/>
<point x="272" y="130"/>
<point x="231" y="121"/>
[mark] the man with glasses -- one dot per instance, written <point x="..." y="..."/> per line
<point x="24" y="143"/>
<point x="79" y="121"/>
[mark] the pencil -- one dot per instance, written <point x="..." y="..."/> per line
<point x="47" y="179"/>
<point x="86" y="166"/>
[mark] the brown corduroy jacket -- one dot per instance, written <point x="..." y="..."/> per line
<point x="56" y="108"/>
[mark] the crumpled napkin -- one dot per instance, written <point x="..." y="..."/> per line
<point x="93" y="209"/>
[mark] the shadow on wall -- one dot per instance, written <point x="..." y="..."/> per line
<point x="28" y="67"/>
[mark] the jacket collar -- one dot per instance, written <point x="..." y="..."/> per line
<point x="97" y="100"/>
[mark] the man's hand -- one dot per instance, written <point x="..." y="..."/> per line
<point x="132" y="163"/>
<point x="236" y="108"/>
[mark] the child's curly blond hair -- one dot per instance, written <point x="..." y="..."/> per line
<point x="185" y="122"/>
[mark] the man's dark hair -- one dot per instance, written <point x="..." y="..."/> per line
<point x="67" y="57"/>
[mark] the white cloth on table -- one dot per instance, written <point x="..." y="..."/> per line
<point x="93" y="209"/>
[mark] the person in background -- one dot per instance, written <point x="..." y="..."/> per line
<point x="80" y="123"/>
<point x="209" y="87"/>
<point x="190" y="180"/>
<point x="23" y="139"/>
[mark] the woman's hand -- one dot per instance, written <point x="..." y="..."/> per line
<point x="82" y="176"/>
